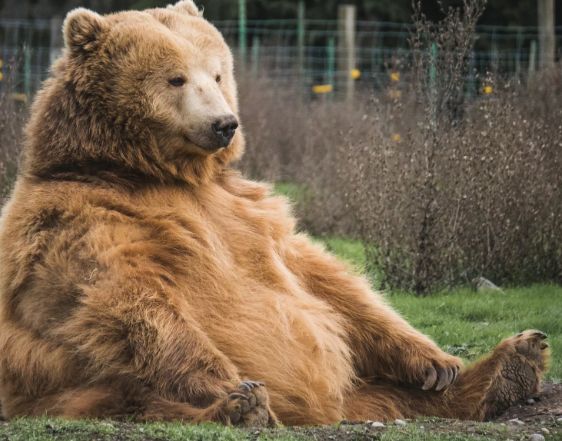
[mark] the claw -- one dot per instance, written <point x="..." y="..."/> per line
<point x="244" y="385"/>
<point x="431" y="378"/>
<point x="249" y="385"/>
<point x="443" y="379"/>
<point x="235" y="417"/>
<point x="457" y="372"/>
<point x="235" y="395"/>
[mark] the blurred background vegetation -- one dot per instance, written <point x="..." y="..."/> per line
<point x="498" y="12"/>
<point x="431" y="145"/>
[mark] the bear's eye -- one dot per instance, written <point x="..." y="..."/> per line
<point x="218" y="78"/>
<point x="177" y="81"/>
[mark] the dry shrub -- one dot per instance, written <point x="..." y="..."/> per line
<point x="487" y="202"/>
<point x="470" y="187"/>
<point x="12" y="118"/>
<point x="295" y="138"/>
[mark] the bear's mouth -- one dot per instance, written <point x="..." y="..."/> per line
<point x="205" y="144"/>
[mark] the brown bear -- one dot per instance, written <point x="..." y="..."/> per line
<point x="142" y="277"/>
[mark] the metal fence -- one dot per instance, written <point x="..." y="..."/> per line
<point x="287" y="50"/>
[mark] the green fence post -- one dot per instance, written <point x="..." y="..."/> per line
<point x="242" y="31"/>
<point x="494" y="54"/>
<point x="471" y="90"/>
<point x="301" y="11"/>
<point x="433" y="93"/>
<point x="331" y="53"/>
<point x="27" y="70"/>
<point x="255" y="55"/>
<point x="532" y="58"/>
<point x="518" y="52"/>
<point x="433" y="66"/>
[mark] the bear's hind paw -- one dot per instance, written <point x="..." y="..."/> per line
<point x="523" y="360"/>
<point x="248" y="406"/>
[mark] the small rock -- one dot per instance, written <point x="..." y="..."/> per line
<point x="531" y="401"/>
<point x="377" y="424"/>
<point x="517" y="421"/>
<point x="399" y="422"/>
<point x="536" y="437"/>
<point x="559" y="420"/>
<point x="545" y="431"/>
<point x="481" y="285"/>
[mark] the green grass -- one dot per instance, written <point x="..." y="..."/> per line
<point x="295" y="192"/>
<point x="349" y="250"/>
<point x="469" y="324"/>
<point x="44" y="429"/>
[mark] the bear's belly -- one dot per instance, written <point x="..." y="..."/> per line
<point x="293" y="342"/>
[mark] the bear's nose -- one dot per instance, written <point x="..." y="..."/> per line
<point x="224" y="128"/>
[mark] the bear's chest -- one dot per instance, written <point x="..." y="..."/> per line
<point x="254" y="308"/>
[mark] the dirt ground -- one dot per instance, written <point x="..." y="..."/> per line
<point x="542" y="416"/>
<point x="537" y="419"/>
<point x="544" y="408"/>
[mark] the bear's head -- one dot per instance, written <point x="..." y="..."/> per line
<point x="151" y="92"/>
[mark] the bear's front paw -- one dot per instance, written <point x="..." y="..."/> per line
<point x="248" y="406"/>
<point x="437" y="371"/>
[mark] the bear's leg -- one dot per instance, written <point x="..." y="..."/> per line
<point x="385" y="346"/>
<point x="511" y="373"/>
<point x="248" y="405"/>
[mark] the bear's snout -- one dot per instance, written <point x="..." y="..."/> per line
<point x="224" y="128"/>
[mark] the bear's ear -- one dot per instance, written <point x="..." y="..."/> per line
<point x="82" y="29"/>
<point x="186" y="7"/>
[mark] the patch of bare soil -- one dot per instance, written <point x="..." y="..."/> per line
<point x="540" y="416"/>
<point x="546" y="407"/>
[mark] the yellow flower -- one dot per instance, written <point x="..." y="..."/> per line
<point x="322" y="88"/>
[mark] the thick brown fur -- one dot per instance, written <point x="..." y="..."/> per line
<point x="141" y="276"/>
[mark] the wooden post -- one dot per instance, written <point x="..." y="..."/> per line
<point x="346" y="48"/>
<point x="547" y="42"/>
<point x="301" y="12"/>
<point x="55" y="42"/>
<point x="242" y="32"/>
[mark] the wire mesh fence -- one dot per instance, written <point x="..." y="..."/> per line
<point x="290" y="50"/>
